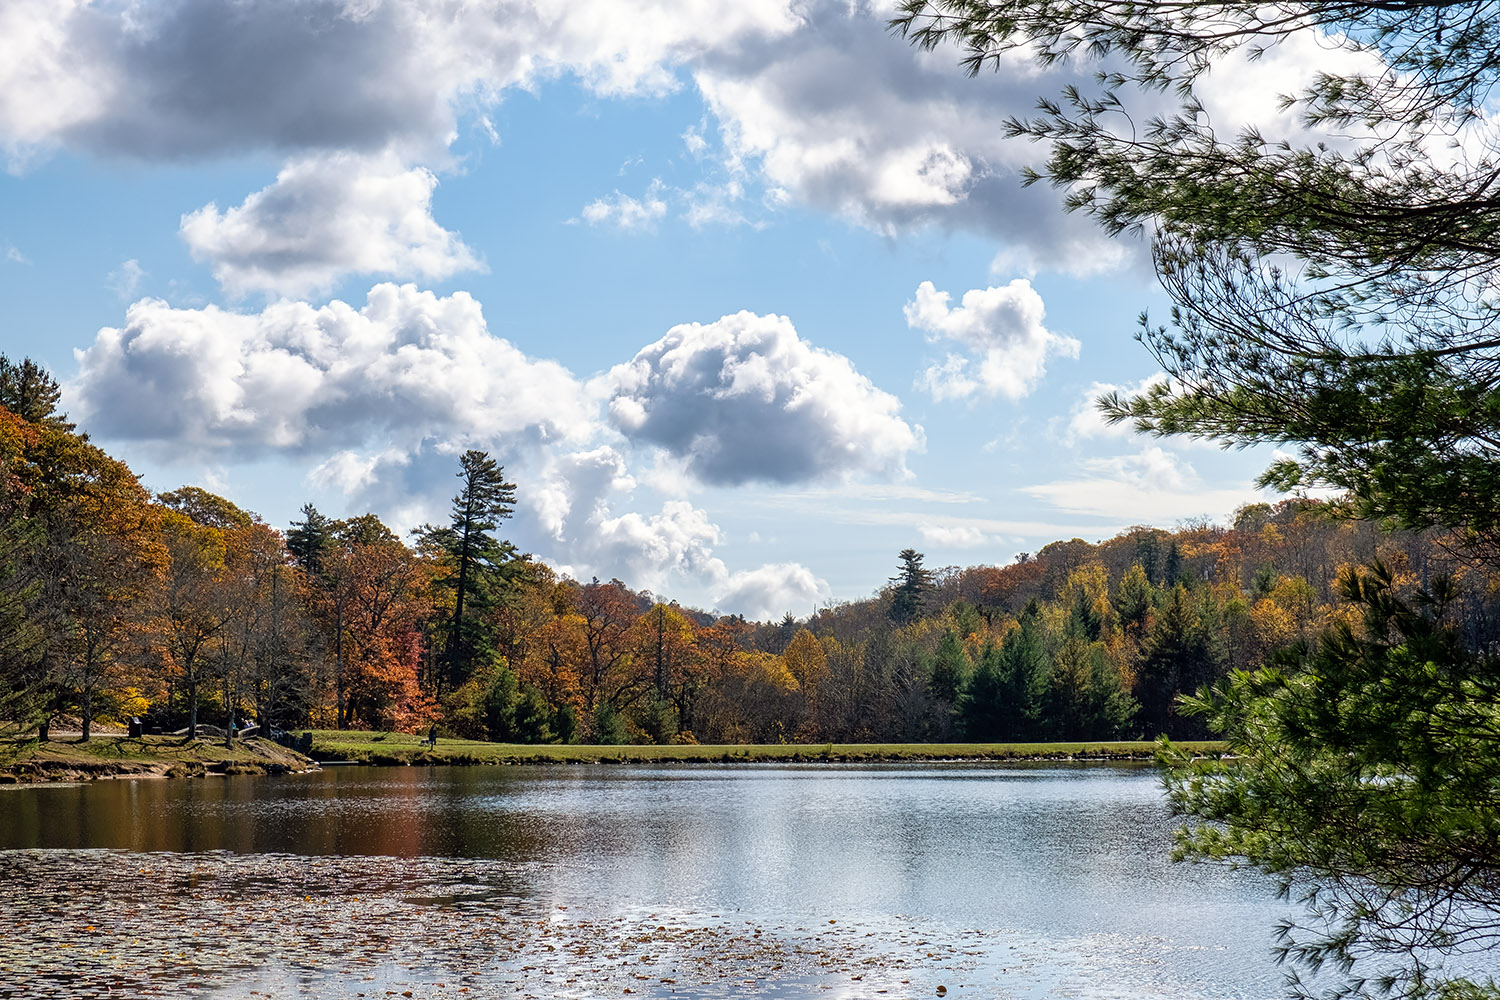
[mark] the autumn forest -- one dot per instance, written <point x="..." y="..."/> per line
<point x="182" y="609"/>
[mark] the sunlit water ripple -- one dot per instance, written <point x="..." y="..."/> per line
<point x="676" y="881"/>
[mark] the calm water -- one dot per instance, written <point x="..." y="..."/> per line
<point x="775" y="881"/>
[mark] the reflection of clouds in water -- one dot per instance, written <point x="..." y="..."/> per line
<point x="1008" y="875"/>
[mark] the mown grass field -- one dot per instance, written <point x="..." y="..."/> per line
<point x="403" y="748"/>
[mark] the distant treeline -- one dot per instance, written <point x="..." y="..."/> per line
<point x="180" y="606"/>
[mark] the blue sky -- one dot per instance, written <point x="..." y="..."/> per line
<point x="746" y="297"/>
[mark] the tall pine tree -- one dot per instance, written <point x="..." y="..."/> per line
<point x="482" y="566"/>
<point x="912" y="586"/>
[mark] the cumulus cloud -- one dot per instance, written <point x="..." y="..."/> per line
<point x="166" y="81"/>
<point x="746" y="399"/>
<point x="813" y="101"/>
<point x="582" y="511"/>
<point x="846" y="118"/>
<point x="573" y="509"/>
<point x="326" y="217"/>
<point x="1004" y="344"/>
<point x="406" y="367"/>
<point x="771" y="591"/>
<point x="625" y="212"/>
<point x="1086" y="422"/>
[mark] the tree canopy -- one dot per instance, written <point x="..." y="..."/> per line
<point x="1366" y="759"/>
<point x="1334" y="293"/>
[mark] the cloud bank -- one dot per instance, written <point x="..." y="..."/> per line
<point x="405" y="367"/>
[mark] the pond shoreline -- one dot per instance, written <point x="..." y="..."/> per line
<point x="111" y="756"/>
<point x="397" y="749"/>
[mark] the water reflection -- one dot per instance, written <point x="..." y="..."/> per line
<point x="1043" y="878"/>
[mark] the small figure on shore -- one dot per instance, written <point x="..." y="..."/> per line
<point x="432" y="736"/>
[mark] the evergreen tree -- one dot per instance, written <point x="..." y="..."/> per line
<point x="30" y="392"/>
<point x="984" y="713"/>
<point x="1362" y="775"/>
<point x="913" y="584"/>
<point x="482" y="566"/>
<point x="1373" y="353"/>
<point x="1134" y="598"/>
<point x="1180" y="653"/>
<point x="1109" y="709"/>
<point x="515" y="713"/>
<point x="1007" y="699"/>
<point x="950" y="670"/>
<point x="309" y="539"/>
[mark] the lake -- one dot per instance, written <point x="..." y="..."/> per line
<point x="963" y="880"/>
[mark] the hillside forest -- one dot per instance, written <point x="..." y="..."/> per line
<point x="181" y="608"/>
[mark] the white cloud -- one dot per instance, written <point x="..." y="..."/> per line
<point x="954" y="535"/>
<point x="746" y="399"/>
<point x="1004" y="344"/>
<point x="13" y="254"/>
<point x="1148" y="486"/>
<point x="351" y="472"/>
<point x="572" y="507"/>
<point x="678" y="539"/>
<point x="847" y="118"/>
<point x="125" y="280"/>
<point x="326" y="217"/>
<point x="770" y="591"/>
<point x="408" y="367"/>
<point x="627" y="213"/>
<point x="45" y="89"/>
<point x="167" y="81"/>
<point x="1086" y="422"/>
<point x="715" y="205"/>
<point x="707" y="203"/>
<point x="814" y="101"/>
<point x="883" y="493"/>
<point x="577" y="508"/>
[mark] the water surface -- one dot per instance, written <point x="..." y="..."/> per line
<point x="678" y="880"/>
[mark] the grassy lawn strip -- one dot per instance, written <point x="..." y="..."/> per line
<point x="402" y="748"/>
<point x="110" y="755"/>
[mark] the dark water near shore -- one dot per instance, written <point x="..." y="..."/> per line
<point x="694" y="881"/>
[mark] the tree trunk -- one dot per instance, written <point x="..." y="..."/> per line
<point x="192" y="710"/>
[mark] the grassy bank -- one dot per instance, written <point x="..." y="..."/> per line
<point x="113" y="755"/>
<point x="401" y="748"/>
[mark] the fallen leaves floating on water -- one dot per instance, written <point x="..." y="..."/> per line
<point x="235" y="925"/>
